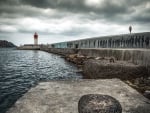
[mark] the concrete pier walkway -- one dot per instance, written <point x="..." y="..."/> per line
<point x="63" y="96"/>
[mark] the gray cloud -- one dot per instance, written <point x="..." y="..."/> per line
<point x="107" y="9"/>
<point x="72" y="17"/>
<point x="76" y="31"/>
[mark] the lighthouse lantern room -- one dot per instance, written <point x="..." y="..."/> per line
<point x="35" y="39"/>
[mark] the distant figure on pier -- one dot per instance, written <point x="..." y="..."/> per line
<point x="130" y="29"/>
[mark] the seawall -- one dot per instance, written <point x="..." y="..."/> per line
<point x="133" y="40"/>
<point x="136" y="56"/>
<point x="131" y="65"/>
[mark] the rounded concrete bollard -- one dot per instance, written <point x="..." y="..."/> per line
<point x="97" y="103"/>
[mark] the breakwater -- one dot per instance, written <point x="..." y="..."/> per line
<point x="136" y="56"/>
<point x="130" y="65"/>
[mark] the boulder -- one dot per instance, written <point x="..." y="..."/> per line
<point x="147" y="94"/>
<point x="77" y="59"/>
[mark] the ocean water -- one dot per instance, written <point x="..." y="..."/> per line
<point x="22" y="69"/>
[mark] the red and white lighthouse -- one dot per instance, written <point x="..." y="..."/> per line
<point x="35" y="38"/>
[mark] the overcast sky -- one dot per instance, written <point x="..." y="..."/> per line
<point x="62" y="20"/>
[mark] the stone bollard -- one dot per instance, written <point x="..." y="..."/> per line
<point x="97" y="103"/>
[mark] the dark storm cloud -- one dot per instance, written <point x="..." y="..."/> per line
<point x="108" y="11"/>
<point x="14" y="11"/>
<point x="60" y="20"/>
<point x="9" y="2"/>
<point x="57" y="4"/>
<point x="107" y="7"/>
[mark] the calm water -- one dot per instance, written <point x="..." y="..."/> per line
<point x="22" y="69"/>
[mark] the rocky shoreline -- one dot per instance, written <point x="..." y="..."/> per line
<point x="108" y="67"/>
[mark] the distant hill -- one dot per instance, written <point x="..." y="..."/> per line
<point x="4" y="43"/>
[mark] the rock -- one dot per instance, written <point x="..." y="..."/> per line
<point x="147" y="94"/>
<point x="112" y="59"/>
<point x="97" y="58"/>
<point x="142" y="81"/>
<point x="102" y="58"/>
<point x="130" y="83"/>
<point x="89" y="57"/>
<point x="77" y="59"/>
<point x="80" y="60"/>
<point x="81" y="56"/>
<point x="72" y="56"/>
<point x="97" y="103"/>
<point x="120" y="69"/>
<point x="79" y="71"/>
<point x="137" y="81"/>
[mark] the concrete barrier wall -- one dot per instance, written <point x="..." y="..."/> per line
<point x="136" y="56"/>
<point x="135" y="40"/>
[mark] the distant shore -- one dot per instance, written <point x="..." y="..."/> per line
<point x="6" y="44"/>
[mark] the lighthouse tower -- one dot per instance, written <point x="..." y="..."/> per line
<point x="35" y="39"/>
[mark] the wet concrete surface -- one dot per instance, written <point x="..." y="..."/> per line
<point x="63" y="96"/>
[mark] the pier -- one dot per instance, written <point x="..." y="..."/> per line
<point x="63" y="96"/>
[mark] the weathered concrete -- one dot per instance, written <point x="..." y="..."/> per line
<point x="134" y="40"/>
<point x="63" y="96"/>
<point x="137" y="56"/>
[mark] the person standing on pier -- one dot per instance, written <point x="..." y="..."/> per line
<point x="130" y="29"/>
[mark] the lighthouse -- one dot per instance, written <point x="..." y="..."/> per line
<point x="35" y="39"/>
